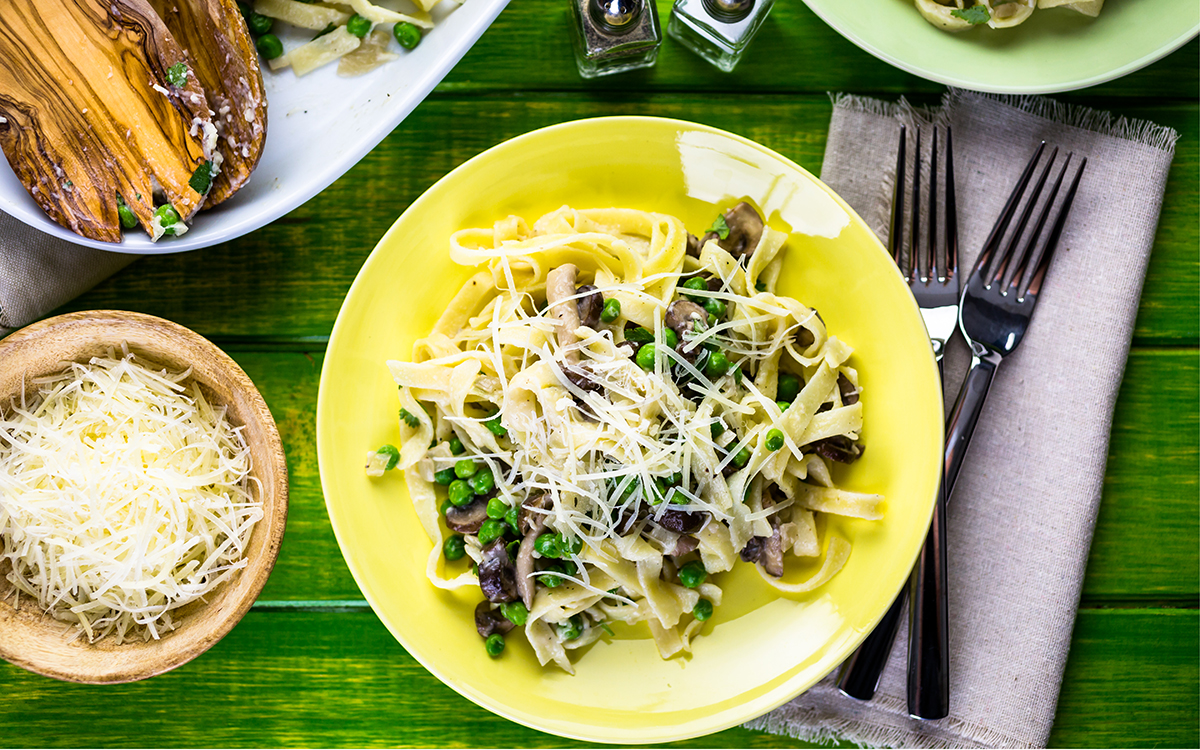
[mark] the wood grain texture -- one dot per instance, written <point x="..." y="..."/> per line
<point x="223" y="57"/>
<point x="1151" y="484"/>
<point x="794" y="52"/>
<point x="45" y="645"/>
<point x="287" y="280"/>
<point x="89" y="114"/>
<point x="339" y="679"/>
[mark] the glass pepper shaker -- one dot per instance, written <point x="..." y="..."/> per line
<point x="718" y="30"/>
<point x="612" y="36"/>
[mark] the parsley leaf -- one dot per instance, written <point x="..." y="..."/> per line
<point x="720" y="227"/>
<point x="202" y="178"/>
<point x="177" y="74"/>
<point x="974" y="15"/>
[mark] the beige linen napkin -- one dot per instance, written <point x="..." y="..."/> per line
<point x="1023" y="511"/>
<point x="39" y="272"/>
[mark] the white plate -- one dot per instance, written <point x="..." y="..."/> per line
<point x="318" y="127"/>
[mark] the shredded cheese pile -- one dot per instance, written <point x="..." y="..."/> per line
<point x="124" y="495"/>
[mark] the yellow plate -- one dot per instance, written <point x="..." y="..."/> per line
<point x="759" y="649"/>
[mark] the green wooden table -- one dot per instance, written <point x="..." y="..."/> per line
<point x="312" y="665"/>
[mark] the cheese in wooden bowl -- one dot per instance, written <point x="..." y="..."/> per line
<point x="143" y="496"/>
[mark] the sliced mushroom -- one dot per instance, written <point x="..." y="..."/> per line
<point x="753" y="549"/>
<point x="560" y="287"/>
<point x="745" y="230"/>
<point x="693" y="245"/>
<point x="847" y="390"/>
<point x="222" y="55"/>
<point x="468" y="518"/>
<point x="838" y="448"/>
<point x="685" y="544"/>
<point x="680" y="521"/>
<point x="683" y="315"/>
<point x="89" y="112"/>
<point x="488" y="620"/>
<point x="772" y="551"/>
<point x="628" y="518"/>
<point x="497" y="577"/>
<point x="582" y="378"/>
<point x="589" y="305"/>
<point x="532" y="524"/>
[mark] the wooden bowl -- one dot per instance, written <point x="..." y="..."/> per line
<point x="36" y="641"/>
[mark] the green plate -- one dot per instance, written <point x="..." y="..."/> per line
<point x="1055" y="50"/>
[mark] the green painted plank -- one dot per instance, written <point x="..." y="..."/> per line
<point x="794" y="52"/>
<point x="1131" y="681"/>
<point x="287" y="280"/>
<point x="1150" y="496"/>
<point x="338" y="679"/>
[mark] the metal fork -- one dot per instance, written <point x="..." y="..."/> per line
<point x="934" y="282"/>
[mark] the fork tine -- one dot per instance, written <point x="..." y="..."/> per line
<point x="896" y="233"/>
<point x="930" y="271"/>
<point x="951" y="268"/>
<point x="1026" y="256"/>
<point x="993" y="240"/>
<point x="914" y="242"/>
<point x="1035" y="284"/>
<point x="1005" y="260"/>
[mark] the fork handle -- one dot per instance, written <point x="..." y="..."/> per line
<point x="965" y="414"/>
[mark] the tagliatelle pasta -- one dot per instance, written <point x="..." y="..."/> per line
<point x="613" y="411"/>
<point x="958" y="15"/>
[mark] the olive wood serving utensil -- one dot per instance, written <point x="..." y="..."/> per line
<point x="221" y="53"/>
<point x="90" y="112"/>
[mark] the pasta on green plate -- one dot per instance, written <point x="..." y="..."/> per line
<point x="958" y="15"/>
<point x="612" y="412"/>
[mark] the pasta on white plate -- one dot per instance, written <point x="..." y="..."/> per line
<point x="610" y="413"/>
<point x="958" y="15"/>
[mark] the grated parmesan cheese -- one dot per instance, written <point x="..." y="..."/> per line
<point x="124" y="495"/>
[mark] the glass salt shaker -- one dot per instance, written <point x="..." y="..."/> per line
<point x="612" y="36"/>
<point x="718" y="30"/>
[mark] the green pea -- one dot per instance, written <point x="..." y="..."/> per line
<point x="483" y="482"/>
<point x="703" y="610"/>
<point x="638" y="336"/>
<point x="358" y="26"/>
<point x="718" y="365"/>
<point x="692" y="574"/>
<point x="742" y="457"/>
<point x="454" y="548"/>
<point x="715" y="308"/>
<point x="737" y="374"/>
<point x="645" y="357"/>
<point x="407" y="35"/>
<point x="511" y="516"/>
<point x="269" y="46"/>
<point x="167" y="215"/>
<point x="495" y="427"/>
<point x="546" y="545"/>
<point x="717" y="428"/>
<point x="456" y="446"/>
<point x="410" y="419"/>
<point x="783" y="405"/>
<point x="460" y="493"/>
<point x="496" y="508"/>
<point x="444" y="477"/>
<point x="465" y="468"/>
<point x="670" y="337"/>
<point x="677" y="497"/>
<point x="611" y="311"/>
<point x="494" y="645"/>
<point x="774" y="440"/>
<point x="490" y="531"/>
<point x="571" y="629"/>
<point x="125" y="214"/>
<point x="548" y="577"/>
<point x="696" y="284"/>
<point x="515" y="612"/>
<point x="259" y="24"/>
<point x="568" y="546"/>
<point x="392" y="453"/>
<point x="446" y="505"/>
<point x="789" y="387"/>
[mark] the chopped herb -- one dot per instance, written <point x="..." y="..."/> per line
<point x="202" y="178"/>
<point x="760" y="286"/>
<point x="720" y="227"/>
<point x="410" y="419"/>
<point x="604" y="626"/>
<point x="177" y="74"/>
<point x="974" y="15"/>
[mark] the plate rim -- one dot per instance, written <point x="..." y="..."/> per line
<point x="1019" y="90"/>
<point x="570" y="729"/>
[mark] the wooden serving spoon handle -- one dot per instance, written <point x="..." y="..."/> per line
<point x="89" y="112"/>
